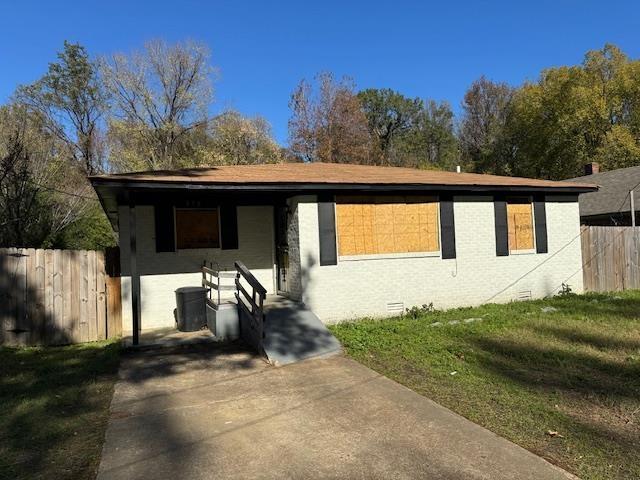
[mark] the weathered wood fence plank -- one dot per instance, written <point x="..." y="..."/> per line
<point x="50" y="325"/>
<point x="610" y="258"/>
<point x="114" y="307"/>
<point x="61" y="330"/>
<point x="101" y="297"/>
<point x="51" y="297"/>
<point x="114" y="292"/>
<point x="83" y="294"/>
<point x="67" y="295"/>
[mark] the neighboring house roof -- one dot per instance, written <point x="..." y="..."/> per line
<point x="331" y="174"/>
<point x="613" y="195"/>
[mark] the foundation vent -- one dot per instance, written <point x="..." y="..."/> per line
<point x="395" y="307"/>
<point x="524" y="295"/>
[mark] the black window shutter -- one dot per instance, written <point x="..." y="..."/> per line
<point x="447" y="227"/>
<point x="502" y="233"/>
<point x="229" y="227"/>
<point x="165" y="236"/>
<point x="327" y="229"/>
<point x="540" y="222"/>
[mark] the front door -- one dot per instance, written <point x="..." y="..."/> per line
<point x="282" y="247"/>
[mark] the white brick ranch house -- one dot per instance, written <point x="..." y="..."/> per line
<point x="345" y="240"/>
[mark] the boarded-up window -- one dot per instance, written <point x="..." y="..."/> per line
<point x="197" y="228"/>
<point x="381" y="225"/>
<point x="520" y="224"/>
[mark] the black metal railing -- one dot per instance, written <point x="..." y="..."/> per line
<point x="251" y="306"/>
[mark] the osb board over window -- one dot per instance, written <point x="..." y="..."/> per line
<point x="520" y="224"/>
<point x="383" y="225"/>
<point x="197" y="228"/>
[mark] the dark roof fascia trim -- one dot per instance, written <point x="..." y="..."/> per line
<point x="308" y="187"/>
<point x="103" y="205"/>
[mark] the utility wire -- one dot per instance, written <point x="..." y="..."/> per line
<point x="536" y="267"/>
<point x="582" y="229"/>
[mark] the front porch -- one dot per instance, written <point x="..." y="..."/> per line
<point x="172" y="337"/>
<point x="152" y="271"/>
<point x="169" y="237"/>
<point x="282" y="330"/>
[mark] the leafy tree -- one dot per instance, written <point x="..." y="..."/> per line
<point x="57" y="125"/>
<point x="33" y="207"/>
<point x="619" y="149"/>
<point x="71" y="99"/>
<point x="482" y="134"/>
<point x="550" y="141"/>
<point x="433" y="142"/>
<point x="90" y="231"/>
<point x="575" y="115"/>
<point x="328" y="124"/>
<point x="391" y="116"/>
<point x="160" y="100"/>
<point x="238" y="140"/>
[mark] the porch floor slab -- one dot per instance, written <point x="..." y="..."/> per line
<point x="168" y="337"/>
<point x="218" y="412"/>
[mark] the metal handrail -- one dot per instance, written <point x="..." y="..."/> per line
<point x="251" y="280"/>
<point x="212" y="284"/>
<point x="255" y="299"/>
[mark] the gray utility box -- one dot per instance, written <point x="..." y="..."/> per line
<point x="223" y="321"/>
<point x="191" y="308"/>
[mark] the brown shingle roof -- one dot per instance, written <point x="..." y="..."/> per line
<point x="329" y="174"/>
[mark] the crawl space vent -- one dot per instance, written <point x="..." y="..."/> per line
<point x="524" y="295"/>
<point x="395" y="307"/>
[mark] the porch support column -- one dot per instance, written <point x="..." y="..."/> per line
<point x="135" y="278"/>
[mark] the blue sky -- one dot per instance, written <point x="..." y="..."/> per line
<point x="263" y="49"/>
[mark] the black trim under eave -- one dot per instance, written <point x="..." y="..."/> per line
<point x="324" y="187"/>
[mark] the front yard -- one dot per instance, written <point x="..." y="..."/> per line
<point x="560" y="377"/>
<point x="55" y="406"/>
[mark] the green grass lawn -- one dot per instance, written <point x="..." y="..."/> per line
<point x="54" y="409"/>
<point x="523" y="372"/>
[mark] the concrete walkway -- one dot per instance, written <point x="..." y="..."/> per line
<point x="208" y="412"/>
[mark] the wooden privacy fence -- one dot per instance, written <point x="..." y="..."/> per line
<point x="610" y="258"/>
<point x="54" y="297"/>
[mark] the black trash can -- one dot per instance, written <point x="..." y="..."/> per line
<point x="191" y="308"/>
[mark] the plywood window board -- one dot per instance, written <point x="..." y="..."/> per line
<point x="383" y="225"/>
<point x="520" y="224"/>
<point x="197" y="228"/>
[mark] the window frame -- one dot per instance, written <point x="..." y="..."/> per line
<point x="196" y="249"/>
<point x="529" y="201"/>
<point x="395" y="255"/>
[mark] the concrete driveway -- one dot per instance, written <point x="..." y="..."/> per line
<point x="208" y="412"/>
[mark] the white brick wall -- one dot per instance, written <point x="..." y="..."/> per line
<point x="162" y="273"/>
<point x="359" y="288"/>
